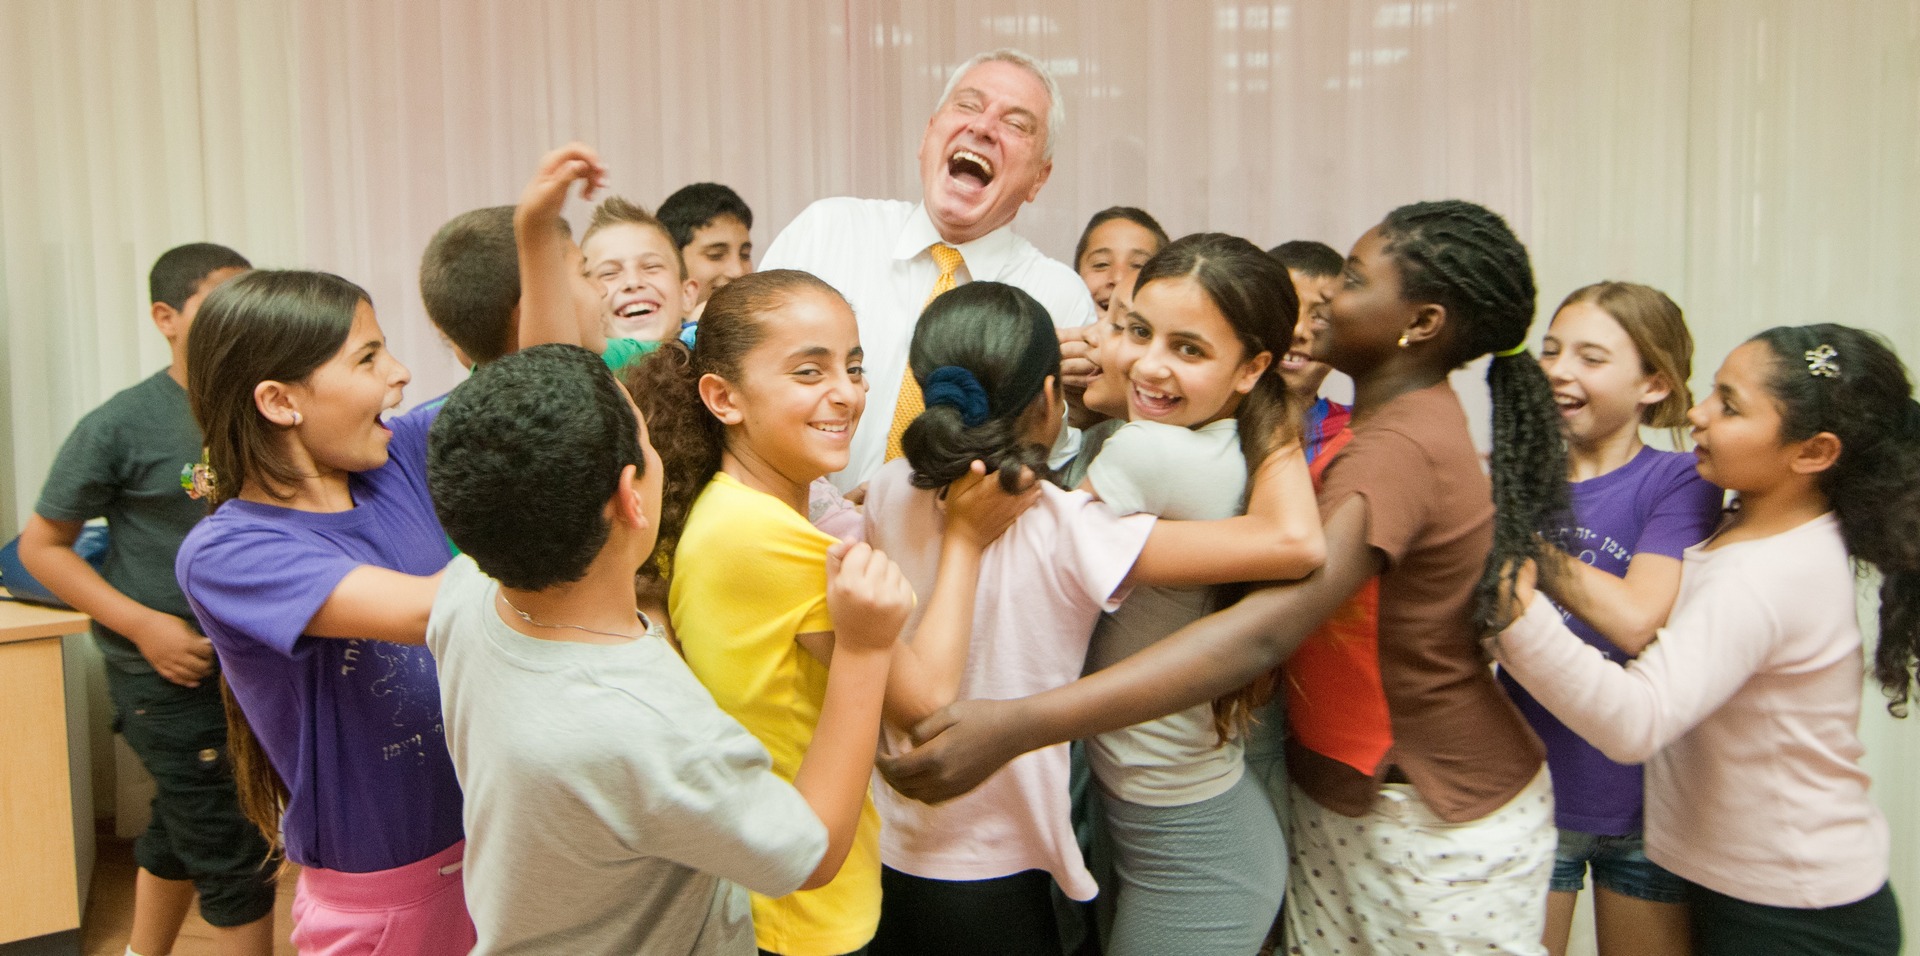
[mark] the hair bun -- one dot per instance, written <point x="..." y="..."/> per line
<point x="957" y="387"/>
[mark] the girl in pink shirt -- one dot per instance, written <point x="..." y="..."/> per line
<point x="972" y="875"/>
<point x="1747" y="705"/>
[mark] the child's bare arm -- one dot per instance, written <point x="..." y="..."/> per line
<point x="1278" y="539"/>
<point x="928" y="665"/>
<point x="1627" y="611"/>
<point x="377" y="603"/>
<point x="546" y="304"/>
<point x="177" y="652"/>
<point x="869" y="600"/>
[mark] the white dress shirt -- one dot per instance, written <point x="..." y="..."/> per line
<point x="875" y="252"/>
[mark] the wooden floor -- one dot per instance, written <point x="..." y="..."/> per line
<point x="109" y="916"/>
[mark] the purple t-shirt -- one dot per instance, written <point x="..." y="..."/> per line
<point x="352" y="726"/>
<point x="1655" y="504"/>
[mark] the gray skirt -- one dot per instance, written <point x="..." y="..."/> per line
<point x="1198" y="879"/>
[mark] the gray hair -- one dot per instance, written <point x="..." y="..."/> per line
<point x="1056" y="111"/>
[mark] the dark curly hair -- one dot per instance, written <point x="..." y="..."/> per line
<point x="523" y="458"/>
<point x="1004" y="339"/>
<point x="666" y="387"/>
<point x="1874" y="486"/>
<point x="1464" y="258"/>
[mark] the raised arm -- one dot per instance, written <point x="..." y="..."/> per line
<point x="177" y="652"/>
<point x="869" y="600"/>
<point x="546" y="295"/>
<point x="1278" y="539"/>
<point x="929" y="663"/>
<point x="1224" y="651"/>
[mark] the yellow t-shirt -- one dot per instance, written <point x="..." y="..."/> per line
<point x="749" y="575"/>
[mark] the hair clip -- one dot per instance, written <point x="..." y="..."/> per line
<point x="1820" y="361"/>
<point x="197" y="479"/>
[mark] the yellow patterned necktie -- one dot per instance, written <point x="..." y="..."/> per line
<point x="910" y="404"/>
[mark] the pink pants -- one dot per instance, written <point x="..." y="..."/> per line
<point x="417" y="910"/>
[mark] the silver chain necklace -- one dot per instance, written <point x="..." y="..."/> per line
<point x="645" y="624"/>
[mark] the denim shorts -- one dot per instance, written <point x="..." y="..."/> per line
<point x="1619" y="864"/>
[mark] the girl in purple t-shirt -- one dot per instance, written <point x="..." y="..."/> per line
<point x="1618" y="357"/>
<point x="314" y="577"/>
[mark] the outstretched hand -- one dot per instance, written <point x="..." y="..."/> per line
<point x="546" y="192"/>
<point x="979" y="509"/>
<point x="957" y="749"/>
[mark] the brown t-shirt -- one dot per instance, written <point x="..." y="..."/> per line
<point x="1445" y="722"/>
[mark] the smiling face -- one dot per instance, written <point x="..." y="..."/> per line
<point x="637" y="271"/>
<point x="801" y="390"/>
<point x="983" y="154"/>
<point x="1116" y="249"/>
<point x="1179" y="358"/>
<point x="1599" y="380"/>
<point x="341" y="402"/>
<point x="1302" y="374"/>
<point x="1106" y="394"/>
<point x="1361" y="324"/>
<point x="721" y="250"/>
<point x="1736" y="427"/>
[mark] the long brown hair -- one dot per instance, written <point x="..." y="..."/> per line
<point x="666" y="387"/>
<point x="262" y="326"/>
<point x="1659" y="334"/>
<point x="1256" y="296"/>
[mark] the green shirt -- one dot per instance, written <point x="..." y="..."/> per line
<point x="123" y="462"/>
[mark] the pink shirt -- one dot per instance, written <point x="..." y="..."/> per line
<point x="1747" y="711"/>
<point x="1042" y="586"/>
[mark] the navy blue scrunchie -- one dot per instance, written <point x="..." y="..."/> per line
<point x="955" y="386"/>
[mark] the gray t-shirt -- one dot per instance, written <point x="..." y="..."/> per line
<point x="123" y="462"/>
<point x="611" y="806"/>
<point x="1186" y="474"/>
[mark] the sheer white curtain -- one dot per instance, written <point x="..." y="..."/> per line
<point x="128" y="128"/>
<point x="1755" y="158"/>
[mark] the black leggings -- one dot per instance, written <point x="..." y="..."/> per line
<point x="1724" y="926"/>
<point x="1008" y="916"/>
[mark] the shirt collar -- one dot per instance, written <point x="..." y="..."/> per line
<point x="985" y="257"/>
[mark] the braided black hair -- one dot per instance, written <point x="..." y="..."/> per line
<point x="1874" y="486"/>
<point x="1464" y="258"/>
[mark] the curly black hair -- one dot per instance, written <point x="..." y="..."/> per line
<point x="1463" y="257"/>
<point x="1874" y="486"/>
<point x="523" y="458"/>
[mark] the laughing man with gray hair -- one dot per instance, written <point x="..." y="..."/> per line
<point x="987" y="150"/>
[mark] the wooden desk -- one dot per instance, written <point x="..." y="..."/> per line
<point x="40" y="877"/>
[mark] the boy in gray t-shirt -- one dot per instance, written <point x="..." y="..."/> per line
<point x="125" y="462"/>
<point x="610" y="805"/>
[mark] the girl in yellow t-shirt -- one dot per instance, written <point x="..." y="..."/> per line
<point x="764" y="406"/>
